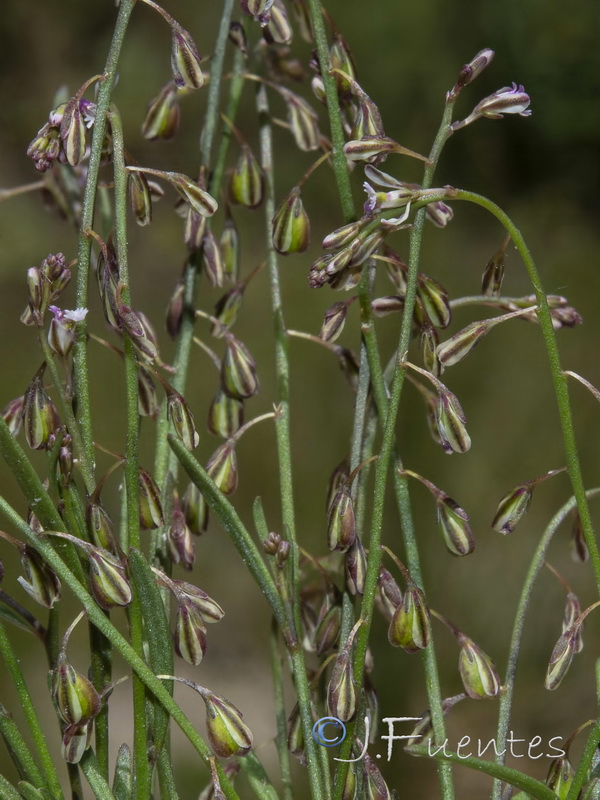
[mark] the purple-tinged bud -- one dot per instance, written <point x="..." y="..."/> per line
<point x="230" y="249"/>
<point x="181" y="543"/>
<point x="40" y="581"/>
<point x="435" y="301"/>
<point x="337" y="479"/>
<point x="450" y="422"/>
<point x="44" y="149"/>
<point x="472" y="70"/>
<point x="194" y="229"/>
<point x="508" y="100"/>
<point x="72" y="132"/>
<point x="211" y="258"/>
<point x="303" y="120"/>
<point x="227" y="309"/>
<point x="458" y="346"/>
<point x="291" y="225"/>
<point x="394" y="198"/>
<point x="108" y="580"/>
<point x="39" y="293"/>
<point x="341" y="689"/>
<point x="147" y="395"/>
<point x="40" y="418"/>
<point x="258" y="9"/>
<point x="376" y="788"/>
<point x="271" y="543"/>
<point x="374" y="149"/>
<point x="439" y="214"/>
<point x="283" y="553"/>
<point x="336" y="262"/>
<point x="75" y="698"/>
<point x="572" y="612"/>
<point x="410" y="627"/>
<point x="454" y="523"/>
<point x="225" y="415"/>
<point x="278" y="29"/>
<point x="368" y="245"/>
<point x="175" y="310"/>
<point x="512" y="507"/>
<point x="137" y="327"/>
<point x="477" y="670"/>
<point x="227" y="733"/>
<point x="333" y="322"/>
<point x="62" y="331"/>
<point x="12" y="414"/>
<point x="182" y="419"/>
<point x="328" y="630"/>
<point x="76" y="740"/>
<point x="190" y="633"/>
<point x="151" y="513"/>
<point x="162" y="116"/>
<point x="238" y="38"/>
<point x="222" y="467"/>
<point x="429" y="341"/>
<point x="247" y="180"/>
<point x="238" y="370"/>
<point x="560" y="777"/>
<point x="99" y="525"/>
<point x="185" y="60"/>
<point x="195" y="509"/>
<point x="341" y="526"/>
<point x="493" y="275"/>
<point x="565" y="317"/>
<point x="579" y="548"/>
<point x="561" y="658"/>
<point x="196" y="598"/>
<point x="139" y="198"/>
<point x="390" y="593"/>
<point x="342" y="236"/>
<point x="350" y="790"/>
<point x="199" y="199"/>
<point x="387" y="305"/>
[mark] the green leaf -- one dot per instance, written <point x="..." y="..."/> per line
<point x="123" y="780"/>
<point x="7" y="790"/>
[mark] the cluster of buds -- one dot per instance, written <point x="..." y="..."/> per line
<point x="278" y="548"/>
<point x="63" y="137"/>
<point x="45" y="284"/>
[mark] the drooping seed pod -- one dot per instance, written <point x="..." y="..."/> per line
<point x="356" y="568"/>
<point x="454" y="524"/>
<point x="211" y="259"/>
<point x="328" y="629"/>
<point x="247" y="180"/>
<point x="341" y="689"/>
<point x="136" y="326"/>
<point x="76" y="740"/>
<point x="175" y="310"/>
<point x="210" y="610"/>
<point x="40" y="417"/>
<point x="350" y="790"/>
<point x="139" y="198"/>
<point x="64" y="463"/>
<point x="493" y="275"/>
<point x="390" y="304"/>
<point x="435" y="301"/>
<point x="162" y="115"/>
<point x="151" y="514"/>
<point x="572" y="612"/>
<point x="222" y="467"/>
<point x="238" y="38"/>
<point x="108" y="580"/>
<point x="410" y="627"/>
<point x="338" y="477"/>
<point x="579" y="548"/>
<point x="349" y="365"/>
<point x="258" y="9"/>
<point x="390" y="593"/>
<point x="333" y="322"/>
<point x="190" y="633"/>
<point x="341" y="525"/>
<point x="477" y="670"/>
<point x="72" y="132"/>
<point x="180" y="540"/>
<point x="182" y="419"/>
<point x="40" y="582"/>
<point x="75" y="698"/>
<point x="148" y="405"/>
<point x="429" y="340"/>
<point x="195" y="509"/>
<point x="295" y="736"/>
<point x="198" y="198"/>
<point x="291" y="225"/>
<point x="341" y="59"/>
<point x="238" y="370"/>
<point x="303" y="120"/>
<point x="230" y="248"/>
<point x="450" y="421"/>
<point x="99" y="525"/>
<point x="185" y="60"/>
<point x="561" y="658"/>
<point x="512" y="507"/>
<point x="278" y="29"/>
<point x="227" y="733"/>
<point x="225" y="415"/>
<point x="560" y="777"/>
<point x="12" y="414"/>
<point x="226" y="310"/>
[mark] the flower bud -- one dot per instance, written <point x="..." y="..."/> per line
<point x="278" y="29"/>
<point x="560" y="777"/>
<point x="99" y="525"/>
<point x="136" y="326"/>
<point x="108" y="581"/>
<point x="12" y="414"/>
<point x="390" y="594"/>
<point x="374" y="149"/>
<point x="341" y="689"/>
<point x="439" y="214"/>
<point x="227" y="733"/>
<point x="222" y="467"/>
<point x="185" y="60"/>
<point x="376" y="788"/>
<point x="337" y="479"/>
<point x="151" y="514"/>
<point x="368" y="245"/>
<point x="511" y="508"/>
<point x="75" y="698"/>
<point x="230" y="249"/>
<point x="72" y="132"/>
<point x="350" y="790"/>
<point x="341" y="526"/>
<point x="175" y="310"/>
<point x="450" y="421"/>
<point x="190" y="633"/>
<point x="182" y="419"/>
<point x="387" y="305"/>
<point x="473" y="69"/>
<point x="64" y="464"/>
<point x="333" y="322"/>
<point x="211" y="259"/>
<point x="477" y="670"/>
<point x="238" y="370"/>
<point x="247" y="180"/>
<point x="139" y="198"/>
<point x="328" y="630"/>
<point x="194" y="229"/>
<point x="429" y="342"/>
<point x="356" y="567"/>
<point x="493" y="275"/>
<point x="40" y="581"/>
<point x="572" y="612"/>
<point x="295" y="737"/>
<point x="342" y="236"/>
<point x="225" y="415"/>
<point x="179" y="537"/>
<point x="561" y="658"/>
<point x="410" y="627"/>
<point x="454" y="523"/>
<point x="238" y="38"/>
<point x="40" y="417"/>
<point x="508" y="100"/>
<point x="258" y="9"/>
<point x="76" y="740"/>
<point x="199" y="199"/>
<point x="195" y="509"/>
<point x="291" y="226"/>
<point x="435" y="301"/>
<point x="162" y="115"/>
<point x="303" y="120"/>
<point x="209" y="610"/>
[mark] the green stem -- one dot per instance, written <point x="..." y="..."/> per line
<point x="506" y="698"/>
<point x="141" y="771"/>
<point x="94" y="776"/>
<point x="13" y="668"/>
<point x="281" y="738"/>
<point x="559" y="380"/>
<point x="282" y="429"/>
<point x="87" y="220"/>
<point x="589" y="751"/>
<point x="19" y="752"/>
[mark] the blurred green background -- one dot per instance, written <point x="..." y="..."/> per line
<point x="543" y="170"/>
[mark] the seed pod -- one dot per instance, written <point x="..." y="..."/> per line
<point x="199" y="600"/>
<point x="185" y="60"/>
<point x="341" y="526"/>
<point x="471" y="70"/>
<point x="40" y="417"/>
<point x="225" y="415"/>
<point x="295" y="737"/>
<point x="560" y="777"/>
<point x="226" y="310"/>
<point x="278" y="29"/>
<point x="342" y="236"/>
<point x="429" y="342"/>
<point x="493" y="275"/>
<point x="341" y="689"/>
<point x="40" y="581"/>
<point x="390" y="593"/>
<point x="72" y="132"/>
<point x="450" y="421"/>
<point x="222" y="467"/>
<point x="338" y="477"/>
<point x="137" y="328"/>
<point x="439" y="213"/>
<point x="238" y="38"/>
<point x="162" y="115"/>
<point x="258" y="9"/>
<point x="368" y="245"/>
<point x="230" y="249"/>
<point x="151" y="514"/>
<point x="227" y="733"/>
<point x="303" y="120"/>
<point x="139" y="198"/>
<point x="211" y="258"/>
<point x="333" y="322"/>
<point x="199" y="199"/>
<point x="247" y="181"/>
<point x="76" y="740"/>
<point x="75" y="698"/>
<point x="190" y="633"/>
<point x="108" y="581"/>
<point x="193" y="229"/>
<point x="376" y="788"/>
<point x="328" y="630"/>
<point x="387" y="305"/>
<point x="435" y="301"/>
<point x="572" y="612"/>
<point x="147" y="396"/>
<point x="410" y="627"/>
<point x="12" y="414"/>
<point x="195" y="509"/>
<point x="291" y="225"/>
<point x="372" y="149"/>
<point x="238" y="370"/>
<point x="182" y="419"/>
<point x="561" y="658"/>
<point x="454" y="523"/>
<point x="356" y="568"/>
<point x="512" y="507"/>
<point x="99" y="525"/>
<point x="477" y="670"/>
<point x="181" y="543"/>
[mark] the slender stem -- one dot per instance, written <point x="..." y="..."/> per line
<point x="282" y="429"/>
<point x="559" y="380"/>
<point x="8" y="194"/>
<point x="95" y="777"/>
<point x="18" y="749"/>
<point x="13" y="667"/>
<point x="142" y="773"/>
<point x="281" y="738"/>
<point x="590" y="750"/>
<point x="87" y="221"/>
